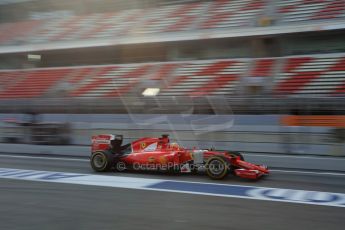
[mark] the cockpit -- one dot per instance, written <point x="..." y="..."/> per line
<point x="164" y="143"/>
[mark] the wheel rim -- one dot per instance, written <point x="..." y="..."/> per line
<point x="99" y="161"/>
<point x="216" y="167"/>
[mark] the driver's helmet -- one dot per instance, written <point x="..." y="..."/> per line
<point x="165" y="138"/>
<point x="174" y="146"/>
<point x="164" y="141"/>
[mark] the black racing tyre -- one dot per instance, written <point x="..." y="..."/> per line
<point x="101" y="161"/>
<point x="217" y="167"/>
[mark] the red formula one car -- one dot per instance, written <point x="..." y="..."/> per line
<point x="159" y="154"/>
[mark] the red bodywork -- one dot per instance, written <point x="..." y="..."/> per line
<point x="159" y="151"/>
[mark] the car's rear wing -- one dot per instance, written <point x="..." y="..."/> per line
<point x="101" y="142"/>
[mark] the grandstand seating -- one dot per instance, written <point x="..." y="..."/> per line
<point x="32" y="83"/>
<point x="8" y="78"/>
<point x="322" y="75"/>
<point x="16" y="31"/>
<point x="236" y="13"/>
<point x="218" y="14"/>
<point x="205" y="78"/>
<point x="304" y="10"/>
<point x="263" y="67"/>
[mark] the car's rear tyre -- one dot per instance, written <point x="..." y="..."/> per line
<point x="101" y="161"/>
<point x="217" y="167"/>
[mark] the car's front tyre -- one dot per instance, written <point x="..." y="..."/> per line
<point x="217" y="167"/>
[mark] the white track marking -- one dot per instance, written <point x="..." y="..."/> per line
<point x="209" y="189"/>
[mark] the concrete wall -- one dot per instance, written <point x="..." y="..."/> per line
<point x="251" y="133"/>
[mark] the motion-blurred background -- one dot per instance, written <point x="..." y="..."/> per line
<point x="249" y="75"/>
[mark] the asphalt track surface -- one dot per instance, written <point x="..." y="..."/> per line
<point x="40" y="205"/>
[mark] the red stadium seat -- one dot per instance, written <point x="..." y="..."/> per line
<point x="298" y="75"/>
<point x="218" y="14"/>
<point x="318" y="75"/>
<point x="34" y="83"/>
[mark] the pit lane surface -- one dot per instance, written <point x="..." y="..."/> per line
<point x="39" y="205"/>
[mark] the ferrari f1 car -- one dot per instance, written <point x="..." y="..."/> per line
<point x="149" y="153"/>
